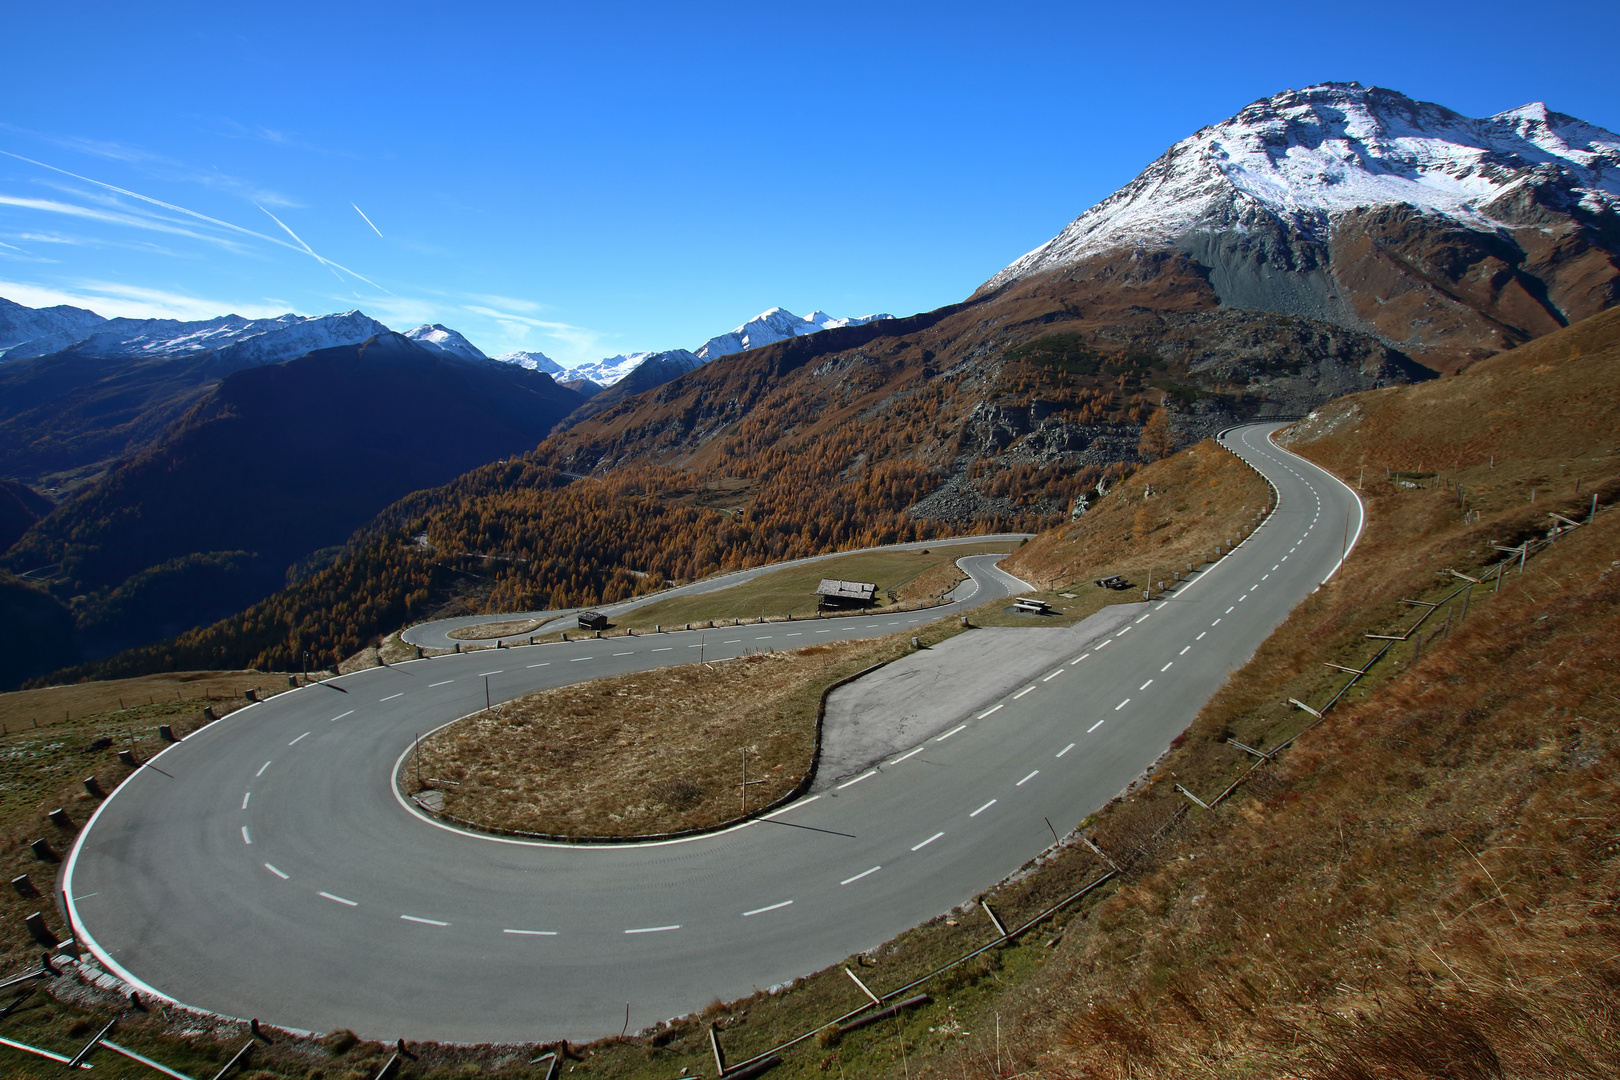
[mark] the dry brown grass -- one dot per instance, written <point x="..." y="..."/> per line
<point x="27" y="710"/>
<point x="1154" y="523"/>
<point x="637" y="755"/>
<point x="484" y="631"/>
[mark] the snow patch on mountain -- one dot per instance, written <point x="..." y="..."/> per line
<point x="1302" y="157"/>
<point x="246" y="341"/>
<point x="35" y="331"/>
<point x="769" y="327"/>
<point x="445" y="340"/>
<point x="610" y="370"/>
<point x="534" y="361"/>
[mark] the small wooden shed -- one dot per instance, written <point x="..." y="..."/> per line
<point x="839" y="595"/>
<point x="592" y="620"/>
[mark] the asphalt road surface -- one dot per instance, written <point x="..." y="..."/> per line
<point x="436" y="634"/>
<point x="271" y="869"/>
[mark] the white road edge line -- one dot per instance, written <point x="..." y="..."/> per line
<point x="953" y="731"/>
<point x="988" y="711"/>
<point x="1022" y="692"/>
<point x="907" y="754"/>
<point x="858" y="779"/>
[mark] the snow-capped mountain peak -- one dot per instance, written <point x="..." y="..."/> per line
<point x="236" y="340"/>
<point x="773" y="325"/>
<point x="1302" y="157"/>
<point x="445" y="340"/>
<point x="534" y="361"/>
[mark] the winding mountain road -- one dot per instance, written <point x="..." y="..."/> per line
<point x="268" y="867"/>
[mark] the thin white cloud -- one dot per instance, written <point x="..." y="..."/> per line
<point x="136" y="221"/>
<point x="581" y="340"/>
<point x="200" y="217"/>
<point x="114" y="299"/>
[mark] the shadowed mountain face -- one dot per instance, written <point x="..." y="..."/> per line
<point x="277" y="463"/>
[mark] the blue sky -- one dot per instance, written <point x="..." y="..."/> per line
<point x="590" y="179"/>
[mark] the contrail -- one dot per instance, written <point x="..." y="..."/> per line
<point x="362" y="213"/>
<point x="199" y="217"/>
<point x="301" y="243"/>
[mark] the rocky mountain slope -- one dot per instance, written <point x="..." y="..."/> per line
<point x="1446" y="236"/>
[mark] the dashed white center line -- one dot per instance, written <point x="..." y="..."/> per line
<point x="487" y="674"/>
<point x="300" y="739"/>
<point x="1145" y="685"/>
<point x="246" y="839"/>
<point x="653" y="929"/>
<point x="858" y="779"/>
<point x="666" y="648"/>
<point x="1275" y="567"/>
<point x="1253" y="587"/>
<point x="1149" y="615"/>
<point x="1285" y="558"/>
<point x="245" y="799"/>
<point x="545" y="664"/>
<point x="733" y="641"/>
<point x="823" y="631"/>
<point x="767" y="637"/>
<point x="1217" y="622"/>
<point x="391" y="697"/>
<point x="768" y="907"/>
<point x="1022" y="692"/>
<point x="1077" y="659"/>
<point x="1028" y="778"/>
<point x="1122" y="704"/>
<point x="577" y="659"/>
<point x="1065" y="750"/>
<point x="1052" y="676"/>
<point x="1184" y="648"/>
<point x="1242" y="598"/>
<point x="263" y="767"/>
<point x="532" y="933"/>
<point x="983" y="808"/>
<point x="624" y="654"/>
<point x="988" y="711"/>
<point x="860" y="875"/>
<point x="339" y="899"/>
<point x="798" y="634"/>
<point x="925" y="843"/>
<point x="276" y="872"/>
<point x="907" y="754"/>
<point x="953" y="731"/>
<point x="340" y="716"/>
<point x="1166" y="667"/>
<point x="447" y="682"/>
<point x="1228" y="611"/>
<point x="1123" y="632"/>
<point x="425" y="922"/>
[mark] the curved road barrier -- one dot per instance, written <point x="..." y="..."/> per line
<point x="271" y="869"/>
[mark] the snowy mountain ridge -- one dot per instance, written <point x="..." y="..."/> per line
<point x="534" y="361"/>
<point x="445" y="340"/>
<point x="766" y="328"/>
<point x="245" y="342"/>
<point x="1303" y="157"/>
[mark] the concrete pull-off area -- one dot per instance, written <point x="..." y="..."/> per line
<point x="921" y="695"/>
